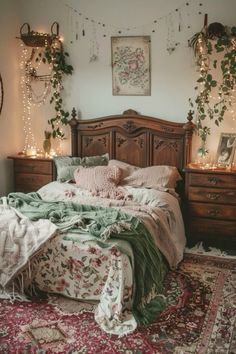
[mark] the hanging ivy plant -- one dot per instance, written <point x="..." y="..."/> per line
<point x="213" y="39"/>
<point x="56" y="57"/>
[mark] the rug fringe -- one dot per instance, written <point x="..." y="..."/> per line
<point x="215" y="252"/>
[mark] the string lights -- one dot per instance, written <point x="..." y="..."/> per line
<point x="29" y="97"/>
<point x="32" y="77"/>
<point x="29" y="143"/>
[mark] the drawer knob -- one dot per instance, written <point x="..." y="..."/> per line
<point x="213" y="180"/>
<point x="213" y="212"/>
<point x="213" y="196"/>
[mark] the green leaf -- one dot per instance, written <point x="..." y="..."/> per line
<point x="209" y="77"/>
<point x="214" y="83"/>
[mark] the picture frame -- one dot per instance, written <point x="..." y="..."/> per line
<point x="131" y="72"/>
<point x="226" y="149"/>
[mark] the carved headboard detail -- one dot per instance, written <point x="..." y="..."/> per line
<point x="133" y="138"/>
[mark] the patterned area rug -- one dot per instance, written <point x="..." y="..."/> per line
<point x="199" y="319"/>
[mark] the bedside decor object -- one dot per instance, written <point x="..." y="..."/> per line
<point x="131" y="65"/>
<point x="1" y="94"/>
<point x="226" y="149"/>
<point x="47" y="143"/>
<point x="214" y="95"/>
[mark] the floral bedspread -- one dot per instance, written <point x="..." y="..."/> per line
<point x="89" y="272"/>
<point x="80" y="266"/>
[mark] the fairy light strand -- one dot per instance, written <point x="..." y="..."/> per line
<point x="29" y="143"/>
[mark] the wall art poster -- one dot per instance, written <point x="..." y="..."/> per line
<point x="131" y="65"/>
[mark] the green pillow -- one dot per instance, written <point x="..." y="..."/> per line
<point x="66" y="165"/>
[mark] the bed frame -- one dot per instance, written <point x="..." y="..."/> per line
<point x="133" y="138"/>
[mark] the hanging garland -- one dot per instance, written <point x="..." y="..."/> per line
<point x="56" y="57"/>
<point x="213" y="39"/>
<point x="176" y="20"/>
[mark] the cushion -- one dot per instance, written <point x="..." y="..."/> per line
<point x="153" y="177"/>
<point x="100" y="180"/>
<point x="66" y="165"/>
<point x="126" y="168"/>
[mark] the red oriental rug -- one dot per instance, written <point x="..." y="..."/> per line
<point x="199" y="319"/>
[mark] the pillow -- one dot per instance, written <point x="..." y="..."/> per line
<point x="100" y="180"/>
<point x="126" y="168"/>
<point x="66" y="165"/>
<point x="153" y="177"/>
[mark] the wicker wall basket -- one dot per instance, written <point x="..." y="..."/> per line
<point x="36" y="39"/>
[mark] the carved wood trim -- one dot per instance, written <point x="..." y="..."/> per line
<point x="130" y="112"/>
<point x="129" y="126"/>
<point x="155" y="133"/>
<point x="120" y="141"/>
<point x="94" y="126"/>
<point x="165" y="144"/>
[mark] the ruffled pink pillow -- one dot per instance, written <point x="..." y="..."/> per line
<point x="100" y="181"/>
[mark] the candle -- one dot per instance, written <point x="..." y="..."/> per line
<point x="31" y="151"/>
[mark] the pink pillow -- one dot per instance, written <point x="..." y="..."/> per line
<point x="126" y="168"/>
<point x="153" y="177"/>
<point x="100" y="180"/>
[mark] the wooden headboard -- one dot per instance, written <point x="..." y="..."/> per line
<point x="133" y="138"/>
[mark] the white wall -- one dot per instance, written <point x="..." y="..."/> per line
<point x="10" y="125"/>
<point x="89" y="90"/>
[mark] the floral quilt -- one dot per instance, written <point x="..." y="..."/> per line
<point x="105" y="269"/>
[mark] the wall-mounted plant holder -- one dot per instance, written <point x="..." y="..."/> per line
<point x="37" y="39"/>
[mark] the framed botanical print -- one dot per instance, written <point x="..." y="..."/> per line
<point x="1" y="93"/>
<point x="226" y="149"/>
<point x="131" y="65"/>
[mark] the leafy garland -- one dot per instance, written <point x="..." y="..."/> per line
<point x="55" y="56"/>
<point x="213" y="39"/>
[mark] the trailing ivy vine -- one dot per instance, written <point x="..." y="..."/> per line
<point x="56" y="57"/>
<point x="211" y="40"/>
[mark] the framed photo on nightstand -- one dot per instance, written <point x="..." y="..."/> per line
<point x="226" y="149"/>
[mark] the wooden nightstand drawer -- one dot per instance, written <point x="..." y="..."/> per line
<point x="212" y="180"/>
<point x="214" y="211"/>
<point x="34" y="166"/>
<point x="31" y="182"/>
<point x="210" y="204"/>
<point x="205" y="227"/>
<point x="212" y="195"/>
<point x="30" y="174"/>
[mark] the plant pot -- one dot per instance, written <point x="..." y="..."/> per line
<point x="47" y="146"/>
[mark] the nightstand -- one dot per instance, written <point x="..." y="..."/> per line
<point x="31" y="173"/>
<point x="210" y="204"/>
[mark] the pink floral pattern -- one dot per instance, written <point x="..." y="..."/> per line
<point x="199" y="319"/>
<point x="86" y="271"/>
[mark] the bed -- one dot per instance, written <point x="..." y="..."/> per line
<point x="112" y="246"/>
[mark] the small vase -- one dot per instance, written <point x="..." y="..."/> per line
<point x="47" y="143"/>
<point x="202" y="154"/>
